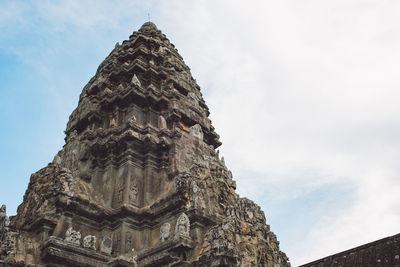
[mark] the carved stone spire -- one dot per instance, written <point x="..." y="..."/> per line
<point x="139" y="160"/>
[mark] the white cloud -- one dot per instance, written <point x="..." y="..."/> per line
<point x="304" y="93"/>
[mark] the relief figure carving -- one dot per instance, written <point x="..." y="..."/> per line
<point x="106" y="245"/>
<point x="132" y="121"/>
<point x="182" y="227"/>
<point x="119" y="192"/>
<point x="133" y="192"/>
<point x="164" y="231"/>
<point x="73" y="236"/>
<point x="198" y="197"/>
<point x="89" y="241"/>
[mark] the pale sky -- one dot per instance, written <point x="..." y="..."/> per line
<point x="304" y="94"/>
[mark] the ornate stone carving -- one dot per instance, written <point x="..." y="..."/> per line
<point x="162" y="123"/>
<point x="119" y="192"/>
<point x="133" y="192"/>
<point x="66" y="175"/>
<point x="73" y="236"/>
<point x="141" y="163"/>
<point x="128" y="242"/>
<point x="108" y="91"/>
<point x="164" y="231"/>
<point x="182" y="181"/>
<point x="29" y="246"/>
<point x="196" y="131"/>
<point x="182" y="227"/>
<point x="72" y="136"/>
<point x="4" y="222"/>
<point x="194" y="98"/>
<point x="162" y="50"/>
<point x="198" y="197"/>
<point x="132" y="121"/>
<point x="113" y="122"/>
<point x="106" y="245"/>
<point x="8" y="246"/>
<point x="135" y="81"/>
<point x="152" y="88"/>
<point x="89" y="241"/>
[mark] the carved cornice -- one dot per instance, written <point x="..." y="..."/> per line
<point x="56" y="249"/>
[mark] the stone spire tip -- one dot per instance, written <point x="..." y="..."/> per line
<point x="149" y="25"/>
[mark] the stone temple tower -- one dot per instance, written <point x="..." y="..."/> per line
<point x="138" y="181"/>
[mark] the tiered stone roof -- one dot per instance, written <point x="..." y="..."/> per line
<point x="138" y="180"/>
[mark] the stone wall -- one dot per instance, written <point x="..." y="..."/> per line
<point x="381" y="253"/>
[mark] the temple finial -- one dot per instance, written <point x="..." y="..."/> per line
<point x="148" y="26"/>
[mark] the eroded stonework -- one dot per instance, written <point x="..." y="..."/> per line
<point x="380" y="253"/>
<point x="165" y="231"/>
<point x="139" y="180"/>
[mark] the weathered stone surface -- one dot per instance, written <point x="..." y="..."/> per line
<point x="7" y="238"/>
<point x="139" y="171"/>
<point x="196" y="131"/>
<point x="383" y="253"/>
<point x="73" y="236"/>
<point x="4" y="222"/>
<point x="89" y="241"/>
<point x="106" y="245"/>
<point x="182" y="226"/>
<point x="165" y="231"/>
